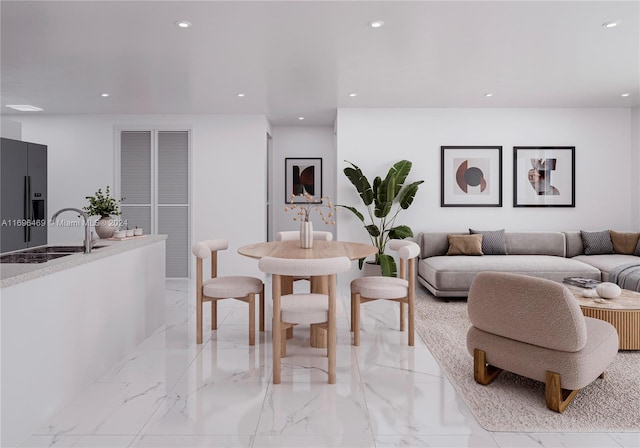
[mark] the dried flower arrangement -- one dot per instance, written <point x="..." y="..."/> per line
<point x="303" y="209"/>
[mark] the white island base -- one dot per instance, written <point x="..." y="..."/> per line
<point x="63" y="330"/>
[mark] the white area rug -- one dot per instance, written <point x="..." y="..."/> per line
<point x="514" y="403"/>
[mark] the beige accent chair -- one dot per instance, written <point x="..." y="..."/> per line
<point x="400" y="289"/>
<point x="216" y="288"/>
<point x="534" y="327"/>
<point x="308" y="308"/>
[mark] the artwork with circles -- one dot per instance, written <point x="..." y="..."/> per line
<point x="471" y="176"/>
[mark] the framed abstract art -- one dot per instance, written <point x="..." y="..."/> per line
<point x="301" y="176"/>
<point x="471" y="176"/>
<point x="544" y="176"/>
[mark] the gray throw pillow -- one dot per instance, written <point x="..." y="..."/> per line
<point x="637" y="252"/>
<point x="492" y="241"/>
<point x="596" y="243"/>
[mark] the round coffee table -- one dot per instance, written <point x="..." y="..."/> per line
<point x="623" y="313"/>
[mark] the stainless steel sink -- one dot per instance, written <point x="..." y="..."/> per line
<point x="20" y="257"/>
<point x="42" y="254"/>
<point x="56" y="250"/>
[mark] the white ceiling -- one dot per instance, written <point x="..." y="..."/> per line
<point x="304" y="58"/>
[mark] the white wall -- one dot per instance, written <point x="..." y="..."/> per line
<point x="301" y="141"/>
<point x="10" y="129"/>
<point x="228" y="172"/>
<point x="635" y="176"/>
<point x="375" y="138"/>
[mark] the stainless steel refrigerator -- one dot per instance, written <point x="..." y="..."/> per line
<point x="23" y="195"/>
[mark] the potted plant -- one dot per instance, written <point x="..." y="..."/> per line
<point x="103" y="205"/>
<point x="383" y="199"/>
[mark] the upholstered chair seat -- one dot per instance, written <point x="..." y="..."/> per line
<point x="534" y="327"/>
<point x="231" y="286"/>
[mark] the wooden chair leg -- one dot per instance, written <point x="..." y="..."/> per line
<point x="352" y="312"/>
<point x="252" y="319"/>
<point x="402" y="315"/>
<point x="356" y="319"/>
<point x="557" y="398"/>
<point x="483" y="373"/>
<point x="199" y="319"/>
<point x="214" y="314"/>
<point x="331" y="333"/>
<point x="262" y="309"/>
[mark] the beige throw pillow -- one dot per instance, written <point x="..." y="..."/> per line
<point x="624" y="243"/>
<point x="465" y="244"/>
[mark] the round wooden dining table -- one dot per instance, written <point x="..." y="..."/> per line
<point x="321" y="249"/>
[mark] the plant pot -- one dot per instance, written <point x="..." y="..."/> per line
<point x="306" y="234"/>
<point x="106" y="226"/>
<point x="370" y="269"/>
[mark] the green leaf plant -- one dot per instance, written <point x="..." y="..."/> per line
<point x="383" y="199"/>
<point x="102" y="204"/>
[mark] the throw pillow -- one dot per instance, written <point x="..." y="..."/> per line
<point x="637" y="252"/>
<point x="492" y="241"/>
<point x="465" y="244"/>
<point x="596" y="243"/>
<point x="624" y="243"/>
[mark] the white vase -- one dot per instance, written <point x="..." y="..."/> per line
<point x="106" y="226"/>
<point x="306" y="234"/>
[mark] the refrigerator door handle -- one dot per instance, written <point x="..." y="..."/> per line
<point x="27" y="208"/>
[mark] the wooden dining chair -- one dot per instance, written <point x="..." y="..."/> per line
<point x="307" y="308"/>
<point x="216" y="288"/>
<point x="294" y="235"/>
<point x="400" y="289"/>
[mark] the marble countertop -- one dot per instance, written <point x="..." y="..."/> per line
<point x="14" y="273"/>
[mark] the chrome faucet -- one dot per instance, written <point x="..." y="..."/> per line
<point x="88" y="242"/>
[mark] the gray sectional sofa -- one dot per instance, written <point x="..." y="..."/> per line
<point x="550" y="255"/>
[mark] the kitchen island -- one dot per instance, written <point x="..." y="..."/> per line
<point x="65" y="322"/>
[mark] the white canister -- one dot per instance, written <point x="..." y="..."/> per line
<point x="137" y="231"/>
<point x="129" y="232"/>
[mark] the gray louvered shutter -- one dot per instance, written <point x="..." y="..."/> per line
<point x="173" y="199"/>
<point x="135" y="179"/>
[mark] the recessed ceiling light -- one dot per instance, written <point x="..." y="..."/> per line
<point x="24" y="107"/>
<point x="488" y="95"/>
<point x="611" y="24"/>
<point x="104" y="95"/>
<point x="241" y="95"/>
<point x="300" y="118"/>
<point x="625" y="95"/>
<point x="353" y="94"/>
<point x="183" y="24"/>
<point x="376" y="24"/>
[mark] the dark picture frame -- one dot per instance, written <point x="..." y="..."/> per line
<point x="544" y="176"/>
<point x="471" y="176"/>
<point x="302" y="175"/>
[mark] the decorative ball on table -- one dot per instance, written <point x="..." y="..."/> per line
<point x="608" y="290"/>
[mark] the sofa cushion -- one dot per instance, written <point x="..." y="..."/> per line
<point x="456" y="273"/>
<point x="465" y="245"/>
<point x="492" y="241"/>
<point x="624" y="243"/>
<point x="605" y="263"/>
<point x="597" y="243"/>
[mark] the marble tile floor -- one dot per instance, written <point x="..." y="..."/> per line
<point x="170" y="392"/>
